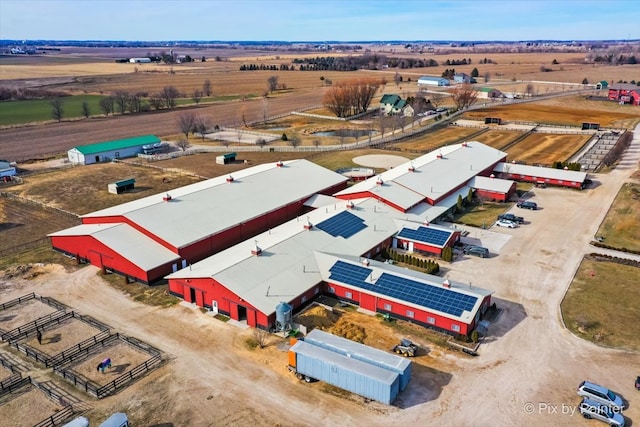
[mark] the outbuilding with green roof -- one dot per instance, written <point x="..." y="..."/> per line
<point x="109" y="150"/>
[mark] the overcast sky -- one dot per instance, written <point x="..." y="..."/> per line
<point x="307" y="20"/>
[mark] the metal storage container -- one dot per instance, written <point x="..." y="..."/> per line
<point x="363" y="353"/>
<point x="349" y="374"/>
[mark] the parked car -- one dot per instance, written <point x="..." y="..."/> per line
<point x="480" y="251"/>
<point x="600" y="394"/>
<point x="525" y="204"/>
<point x="592" y="409"/>
<point x="637" y="384"/>
<point x="511" y="217"/>
<point x="505" y="223"/>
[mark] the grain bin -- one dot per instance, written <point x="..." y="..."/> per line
<point x="363" y="353"/>
<point x="284" y="315"/>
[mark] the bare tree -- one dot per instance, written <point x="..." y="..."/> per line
<point x="56" y="109"/>
<point x="487" y="77"/>
<point x="206" y="88"/>
<point x="464" y="96"/>
<point x="121" y="99"/>
<point x="294" y="141"/>
<point x="261" y="337"/>
<point x="86" y="111"/>
<point x="529" y="90"/>
<point x="350" y="97"/>
<point x="239" y="134"/>
<point x="106" y="105"/>
<point x="201" y="125"/>
<point x="272" y="83"/>
<point x="397" y="78"/>
<point x="316" y="142"/>
<point x="437" y="99"/>
<point x="342" y="133"/>
<point x="183" y="144"/>
<point x="156" y="101"/>
<point x="197" y="96"/>
<point x="265" y="109"/>
<point x="186" y="122"/>
<point x="243" y="116"/>
<point x="382" y="124"/>
<point x="261" y="142"/>
<point x="169" y="95"/>
<point x="135" y="102"/>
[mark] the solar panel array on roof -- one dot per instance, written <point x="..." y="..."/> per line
<point x="441" y="299"/>
<point x="349" y="273"/>
<point x="344" y="224"/>
<point x="427" y="235"/>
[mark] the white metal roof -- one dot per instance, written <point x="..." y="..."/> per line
<point x="434" y="174"/>
<point x="287" y="266"/>
<point x="206" y="208"/>
<point x="491" y="184"/>
<point x="541" y="172"/>
<point x="127" y="241"/>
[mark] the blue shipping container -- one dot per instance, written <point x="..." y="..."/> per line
<point x="363" y="353"/>
<point x="349" y="374"/>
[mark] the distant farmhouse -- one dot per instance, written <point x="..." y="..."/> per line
<point x="394" y="105"/>
<point x="460" y="78"/>
<point x="489" y="93"/>
<point x="625" y="93"/>
<point x="433" y="81"/>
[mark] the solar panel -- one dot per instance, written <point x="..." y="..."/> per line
<point x="350" y="274"/>
<point x="427" y="235"/>
<point x="344" y="224"/>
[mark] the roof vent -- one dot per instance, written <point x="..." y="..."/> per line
<point x="230" y="178"/>
<point x="308" y="225"/>
<point x="464" y="144"/>
<point x="446" y="284"/>
<point x="492" y="176"/>
<point x="411" y="168"/>
<point x="379" y="181"/>
<point x="365" y="261"/>
<point x="350" y="205"/>
<point x="167" y="197"/>
<point x="256" y="250"/>
<point x="279" y="164"/>
<point x="439" y="156"/>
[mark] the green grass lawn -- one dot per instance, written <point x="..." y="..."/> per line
<point x="39" y="110"/>
<point x="483" y="214"/>
<point x="602" y="303"/>
<point x="621" y="226"/>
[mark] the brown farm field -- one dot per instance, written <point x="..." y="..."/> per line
<point x="565" y="111"/>
<point x="544" y="149"/>
<point x="497" y="138"/>
<point x="432" y="140"/>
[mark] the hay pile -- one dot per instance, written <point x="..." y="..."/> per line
<point x="349" y="330"/>
<point x="317" y="317"/>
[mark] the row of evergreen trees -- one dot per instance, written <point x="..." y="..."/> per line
<point x="429" y="266"/>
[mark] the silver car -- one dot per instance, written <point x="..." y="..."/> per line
<point x="600" y="395"/>
<point x="592" y="409"/>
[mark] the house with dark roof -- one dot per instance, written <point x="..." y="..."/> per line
<point x="460" y="78"/>
<point x="393" y="105"/>
<point x="109" y="150"/>
<point x="490" y="93"/>
<point x="625" y="93"/>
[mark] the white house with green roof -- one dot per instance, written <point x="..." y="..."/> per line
<point x="109" y="150"/>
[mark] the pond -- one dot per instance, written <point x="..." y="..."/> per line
<point x="348" y="133"/>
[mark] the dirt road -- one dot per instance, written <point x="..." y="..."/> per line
<point x="30" y="142"/>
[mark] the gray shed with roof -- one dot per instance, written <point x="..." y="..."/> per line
<point x="347" y="373"/>
<point x="363" y="353"/>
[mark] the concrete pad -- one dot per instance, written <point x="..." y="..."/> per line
<point x="380" y="161"/>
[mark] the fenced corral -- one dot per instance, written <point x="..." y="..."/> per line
<point x="31" y="327"/>
<point x="80" y="368"/>
<point x="68" y="354"/>
<point x="26" y="312"/>
<point x="31" y="400"/>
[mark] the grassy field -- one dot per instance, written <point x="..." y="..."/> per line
<point x="431" y="140"/>
<point x="482" y="215"/>
<point x="39" y="110"/>
<point x="621" y="226"/>
<point x="544" y="149"/>
<point x="601" y="305"/>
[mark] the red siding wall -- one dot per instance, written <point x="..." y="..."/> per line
<point x="88" y="248"/>
<point x="419" y="316"/>
<point x="535" y="179"/>
<point x="492" y="195"/>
